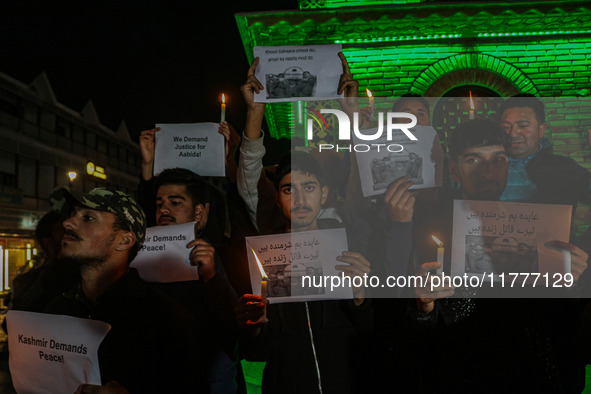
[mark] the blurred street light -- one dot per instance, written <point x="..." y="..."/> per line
<point x="72" y="175"/>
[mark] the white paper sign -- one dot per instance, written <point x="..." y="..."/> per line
<point x="194" y="146"/>
<point x="287" y="258"/>
<point x="381" y="162"/>
<point x="505" y="237"/>
<point x="295" y="73"/>
<point x="164" y="256"/>
<point x="52" y="353"/>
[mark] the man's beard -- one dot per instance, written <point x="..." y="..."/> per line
<point x="88" y="261"/>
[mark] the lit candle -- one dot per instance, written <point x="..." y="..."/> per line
<point x="264" y="281"/>
<point x="471" y="106"/>
<point x="224" y="109"/>
<point x="440" y="253"/>
<point x="371" y="99"/>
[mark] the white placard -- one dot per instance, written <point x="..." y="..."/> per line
<point x="286" y="258"/>
<point x="295" y="73"/>
<point x="53" y="353"/>
<point x="198" y="147"/>
<point x="381" y="162"/>
<point x="508" y="237"/>
<point x="164" y="256"/>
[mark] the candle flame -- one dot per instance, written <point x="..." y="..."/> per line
<point x="224" y="102"/>
<point x="263" y="274"/>
<point x="368" y="92"/>
<point x="471" y="101"/>
<point x="437" y="241"/>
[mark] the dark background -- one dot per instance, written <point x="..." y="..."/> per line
<point x="143" y="61"/>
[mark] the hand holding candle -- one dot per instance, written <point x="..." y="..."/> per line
<point x="251" y="310"/>
<point x="369" y="111"/>
<point x="264" y="281"/>
<point x="440" y="253"/>
<point x="431" y="290"/>
<point x="248" y="312"/>
<point x="371" y="99"/>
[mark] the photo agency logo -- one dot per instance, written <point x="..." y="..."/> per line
<point x="387" y="122"/>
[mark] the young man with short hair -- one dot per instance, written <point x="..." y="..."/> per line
<point x="151" y="347"/>
<point x="178" y="196"/>
<point x="183" y="197"/>
<point x="296" y="363"/>
<point x="478" y="161"/>
<point x="478" y="164"/>
<point x="336" y="325"/>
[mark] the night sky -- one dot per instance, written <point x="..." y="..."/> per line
<point x="140" y="60"/>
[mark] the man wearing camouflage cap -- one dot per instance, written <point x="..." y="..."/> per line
<point x="151" y="346"/>
<point x="128" y="216"/>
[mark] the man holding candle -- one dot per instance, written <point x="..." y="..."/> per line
<point x="478" y="164"/>
<point x="285" y="342"/>
<point x="515" y="330"/>
<point x="307" y="346"/>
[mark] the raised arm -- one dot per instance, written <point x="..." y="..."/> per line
<point x="231" y="143"/>
<point x="349" y="87"/>
<point x="252" y="149"/>
<point x="255" y="111"/>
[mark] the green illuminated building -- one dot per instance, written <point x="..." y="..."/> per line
<point x="434" y="48"/>
<point x="397" y="46"/>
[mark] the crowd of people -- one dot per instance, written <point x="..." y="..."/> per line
<point x="182" y="337"/>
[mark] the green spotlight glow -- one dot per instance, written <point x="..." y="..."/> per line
<point x="396" y="47"/>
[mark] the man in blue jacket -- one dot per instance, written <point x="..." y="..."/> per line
<point x="524" y="120"/>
